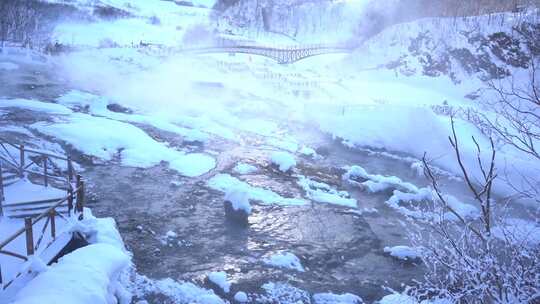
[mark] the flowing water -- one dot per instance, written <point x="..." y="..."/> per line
<point x="340" y="249"/>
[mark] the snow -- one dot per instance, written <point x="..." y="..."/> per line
<point x="220" y="279"/>
<point x="243" y="168"/>
<point x="403" y="252"/>
<point x="226" y="182"/>
<point x="404" y="194"/>
<point x="423" y="195"/>
<point x="305" y="150"/>
<point x="288" y="144"/>
<point x="285" y="161"/>
<point x="284" y="293"/>
<point x="375" y="182"/>
<point x="88" y="275"/>
<point x="330" y="298"/>
<point x="241" y="297"/>
<point x="239" y="200"/>
<point x="285" y="260"/>
<point x="323" y="193"/>
<point x="105" y="138"/>
<point x="34" y="105"/>
<point x="519" y="231"/>
<point x="97" y="105"/>
<point x="24" y="191"/>
<point x="8" y="66"/>
<point x="397" y="299"/>
<point x="171" y="234"/>
<point x="179" y="292"/>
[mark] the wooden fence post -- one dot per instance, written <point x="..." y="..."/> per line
<point x="21" y="161"/>
<point x="1" y="194"/>
<point x="52" y="215"/>
<point x="79" y="205"/>
<point x="45" y="171"/>
<point x="70" y="201"/>
<point x="29" y="236"/>
<point x="70" y="170"/>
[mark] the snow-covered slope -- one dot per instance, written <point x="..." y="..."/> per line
<point x="489" y="47"/>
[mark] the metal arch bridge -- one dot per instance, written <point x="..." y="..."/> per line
<point x="283" y="55"/>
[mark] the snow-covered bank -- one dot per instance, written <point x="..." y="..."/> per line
<point x="91" y="274"/>
<point x="88" y="275"/>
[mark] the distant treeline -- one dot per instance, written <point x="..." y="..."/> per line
<point x="30" y="22"/>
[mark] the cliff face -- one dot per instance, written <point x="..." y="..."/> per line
<point x="313" y="21"/>
<point x="488" y="47"/>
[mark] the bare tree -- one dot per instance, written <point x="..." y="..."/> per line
<point x="474" y="260"/>
<point x="517" y="121"/>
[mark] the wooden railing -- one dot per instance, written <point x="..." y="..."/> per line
<point x="19" y="161"/>
<point x="75" y="205"/>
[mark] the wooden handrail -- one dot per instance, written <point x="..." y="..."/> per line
<point x="40" y="217"/>
<point x="21" y="168"/>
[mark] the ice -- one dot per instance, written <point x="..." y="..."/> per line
<point x="397" y="299"/>
<point x="375" y="182"/>
<point x="285" y="161"/>
<point x="106" y="138"/>
<point x="220" y="279"/>
<point x="241" y="297"/>
<point x="243" y="168"/>
<point x="34" y="105"/>
<point x="288" y="144"/>
<point x="330" y="298"/>
<point x="403" y="252"/>
<point x="239" y="200"/>
<point x="305" y="150"/>
<point x="226" y="182"/>
<point x="285" y="260"/>
<point x="171" y="234"/>
<point x="323" y="193"/>
<point x="8" y="66"/>
<point x="284" y="293"/>
<point x="179" y="292"/>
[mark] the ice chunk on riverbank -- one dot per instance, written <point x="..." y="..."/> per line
<point x="241" y="297"/>
<point x="323" y="193"/>
<point x="305" y="150"/>
<point x="285" y="161"/>
<point x="239" y="200"/>
<point x="405" y="253"/>
<point x="243" y="168"/>
<point x="226" y="182"/>
<point x="376" y="183"/>
<point x="427" y="195"/>
<point x="397" y="298"/>
<point x="330" y="298"/>
<point x="220" y="279"/>
<point x="285" y="260"/>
